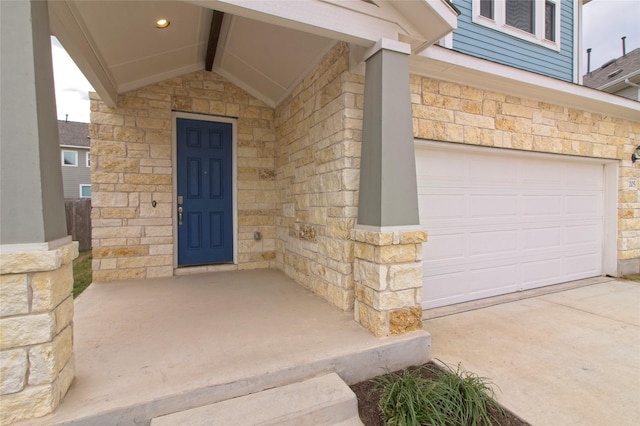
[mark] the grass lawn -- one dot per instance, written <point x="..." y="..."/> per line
<point x="81" y="272"/>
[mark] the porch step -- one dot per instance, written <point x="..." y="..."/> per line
<point x="324" y="400"/>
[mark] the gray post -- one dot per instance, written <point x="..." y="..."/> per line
<point x="31" y="196"/>
<point x="388" y="190"/>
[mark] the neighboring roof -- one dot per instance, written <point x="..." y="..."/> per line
<point x="614" y="70"/>
<point x="73" y="134"/>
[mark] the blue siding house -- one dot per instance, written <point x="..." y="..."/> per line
<point x="535" y="35"/>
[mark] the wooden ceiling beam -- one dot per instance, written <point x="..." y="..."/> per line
<point x="214" y="36"/>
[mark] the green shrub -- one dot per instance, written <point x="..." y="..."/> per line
<point x="448" y="398"/>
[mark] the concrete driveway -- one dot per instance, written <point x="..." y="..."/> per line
<point x="565" y="358"/>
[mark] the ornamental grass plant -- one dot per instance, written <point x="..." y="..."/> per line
<point x="448" y="397"/>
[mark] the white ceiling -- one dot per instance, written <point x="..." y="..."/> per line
<point x="265" y="47"/>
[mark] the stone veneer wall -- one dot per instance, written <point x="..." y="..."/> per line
<point x="131" y="165"/>
<point x="36" y="331"/>
<point x="444" y="111"/>
<point x="319" y="131"/>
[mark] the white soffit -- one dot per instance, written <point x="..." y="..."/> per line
<point x="135" y="51"/>
<point x="444" y="64"/>
<point x="265" y="47"/>
<point x="265" y="59"/>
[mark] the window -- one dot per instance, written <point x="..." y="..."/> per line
<point x="531" y="20"/>
<point x="550" y="21"/>
<point x="486" y="8"/>
<point x="85" y="191"/>
<point x="521" y="14"/>
<point x="88" y="159"/>
<point x="70" y="158"/>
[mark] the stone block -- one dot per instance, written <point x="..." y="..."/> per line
<point x="13" y="371"/>
<point x="375" y="321"/>
<point x="364" y="251"/>
<point x="47" y="360"/>
<point x="395" y="253"/>
<point x="26" y="330"/>
<point x="340" y="298"/>
<point x="33" y="401"/>
<point x="50" y="288"/>
<point x="371" y="274"/>
<point x="63" y="381"/>
<point x="405" y="276"/>
<point x="16" y="263"/>
<point x="14" y="292"/>
<point x="405" y="320"/>
<point x="63" y="314"/>
<point x="69" y="252"/>
<point x="409" y="237"/>
<point x="390" y="300"/>
<point x="126" y="251"/>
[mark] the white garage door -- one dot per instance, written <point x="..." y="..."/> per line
<point x="501" y="221"/>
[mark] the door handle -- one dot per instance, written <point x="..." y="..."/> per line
<point x="180" y="215"/>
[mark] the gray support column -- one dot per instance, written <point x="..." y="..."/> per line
<point x="388" y="190"/>
<point x="31" y="196"/>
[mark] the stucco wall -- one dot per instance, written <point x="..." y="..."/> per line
<point x="319" y="130"/>
<point x="131" y="152"/>
<point x="444" y="111"/>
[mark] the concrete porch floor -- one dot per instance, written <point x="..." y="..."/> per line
<point x="153" y="347"/>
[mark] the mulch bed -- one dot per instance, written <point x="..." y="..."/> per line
<point x="368" y="394"/>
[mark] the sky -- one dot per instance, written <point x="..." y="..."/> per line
<point x="605" y="22"/>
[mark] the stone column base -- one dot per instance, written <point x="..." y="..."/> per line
<point x="36" y="331"/>
<point x="388" y="276"/>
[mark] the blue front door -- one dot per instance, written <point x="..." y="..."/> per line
<point x="205" y="203"/>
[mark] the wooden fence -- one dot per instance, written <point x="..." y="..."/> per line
<point x="79" y="221"/>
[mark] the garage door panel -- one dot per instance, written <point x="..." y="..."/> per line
<point x="582" y="204"/>
<point x="493" y="205"/>
<point x="491" y="243"/>
<point x="581" y="234"/>
<point x="542" y="271"/>
<point x="582" y="265"/>
<point x="451" y="246"/>
<point x="584" y="176"/>
<point x="506" y="222"/>
<point x="542" y="238"/>
<point x="503" y="277"/>
<point x="542" y="205"/>
<point x="443" y="286"/>
<point x="442" y="206"/>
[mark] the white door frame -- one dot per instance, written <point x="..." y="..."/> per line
<point x="234" y="171"/>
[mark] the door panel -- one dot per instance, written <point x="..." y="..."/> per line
<point x="205" y="183"/>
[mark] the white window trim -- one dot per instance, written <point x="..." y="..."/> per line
<point x="499" y="22"/>
<point x="84" y="185"/>
<point x="62" y="158"/>
<point x="87" y="159"/>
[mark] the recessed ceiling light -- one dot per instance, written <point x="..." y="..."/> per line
<point x="162" y="23"/>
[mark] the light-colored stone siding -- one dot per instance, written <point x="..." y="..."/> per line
<point x="132" y="165"/>
<point x="36" y="331"/>
<point x="298" y="167"/>
<point x="319" y="131"/>
<point x="449" y="112"/>
<point x="388" y="276"/>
